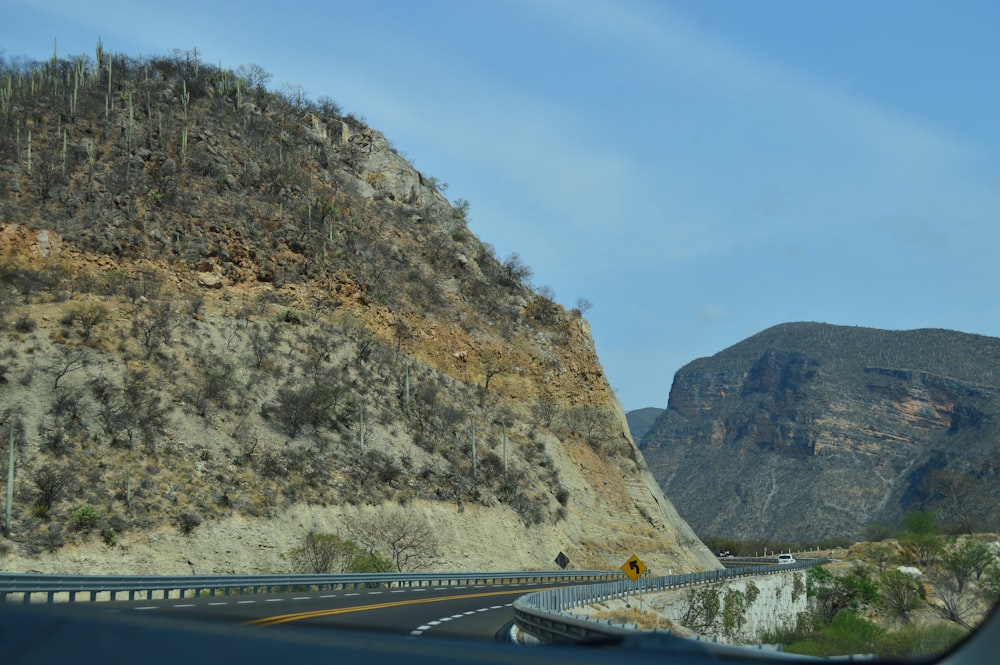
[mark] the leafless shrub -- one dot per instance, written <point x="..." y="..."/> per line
<point x="50" y="482"/>
<point x="153" y="325"/>
<point x="187" y="522"/>
<point x="403" y="536"/>
<point x="546" y="410"/>
<point x="212" y="383"/>
<point x="86" y="318"/>
<point x="135" y="407"/>
<point x="317" y="405"/>
<point x="68" y="359"/>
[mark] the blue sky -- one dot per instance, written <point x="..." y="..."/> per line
<point x="698" y="170"/>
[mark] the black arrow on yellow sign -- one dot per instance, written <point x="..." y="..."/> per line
<point x="634" y="568"/>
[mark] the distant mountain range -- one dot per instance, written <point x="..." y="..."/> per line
<point x="640" y="420"/>
<point x="809" y="430"/>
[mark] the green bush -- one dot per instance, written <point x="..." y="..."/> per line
<point x="85" y="517"/>
<point x="847" y="634"/>
<point x="916" y="640"/>
<point x="329" y="553"/>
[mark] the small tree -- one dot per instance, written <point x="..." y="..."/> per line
<point x="834" y="593"/>
<point x="87" y="318"/>
<point x="921" y="538"/>
<point x="704" y="605"/>
<point x="952" y="601"/>
<point x="962" y="562"/>
<point x="901" y="593"/>
<point x="545" y="411"/>
<point x="68" y="359"/>
<point x="492" y="364"/>
<point x="404" y="537"/>
<point x="514" y="271"/>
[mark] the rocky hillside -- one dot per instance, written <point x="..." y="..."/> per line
<point x="807" y="431"/>
<point x="230" y="317"/>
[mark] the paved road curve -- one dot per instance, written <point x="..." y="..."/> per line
<point x="475" y="611"/>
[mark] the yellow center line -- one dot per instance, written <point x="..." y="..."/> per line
<point x="299" y="616"/>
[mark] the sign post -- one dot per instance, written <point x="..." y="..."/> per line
<point x="562" y="561"/>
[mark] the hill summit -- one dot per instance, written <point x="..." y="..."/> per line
<point x="232" y="317"/>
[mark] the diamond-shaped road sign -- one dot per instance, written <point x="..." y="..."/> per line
<point x="634" y="568"/>
<point x="562" y="561"/>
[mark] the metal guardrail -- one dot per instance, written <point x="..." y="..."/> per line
<point x="542" y="614"/>
<point x="71" y="587"/>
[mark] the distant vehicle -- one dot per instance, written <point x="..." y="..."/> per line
<point x="724" y="554"/>
<point x="786" y="558"/>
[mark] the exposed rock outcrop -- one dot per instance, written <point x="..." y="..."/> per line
<point x="807" y="431"/>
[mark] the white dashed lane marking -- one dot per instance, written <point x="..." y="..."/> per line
<point x="420" y="630"/>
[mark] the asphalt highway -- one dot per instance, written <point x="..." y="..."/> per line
<point x="470" y="612"/>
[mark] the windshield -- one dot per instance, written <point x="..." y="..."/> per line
<point x="395" y="287"/>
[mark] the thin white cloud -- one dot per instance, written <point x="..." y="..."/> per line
<point x="711" y="312"/>
<point x="682" y="48"/>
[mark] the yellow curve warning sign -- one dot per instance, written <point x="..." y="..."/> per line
<point x="634" y="568"/>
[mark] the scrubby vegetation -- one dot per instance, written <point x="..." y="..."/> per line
<point x="915" y="596"/>
<point x="219" y="299"/>
<point x="913" y="591"/>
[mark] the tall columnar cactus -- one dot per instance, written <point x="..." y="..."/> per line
<point x="73" y="97"/>
<point x="475" y="467"/>
<point x="10" y="473"/>
<point x="361" y="428"/>
<point x="503" y="436"/>
<point x="107" y="98"/>
<point x="6" y="93"/>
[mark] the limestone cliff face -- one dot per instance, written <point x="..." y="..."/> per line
<point x="231" y="318"/>
<point x="808" y="431"/>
